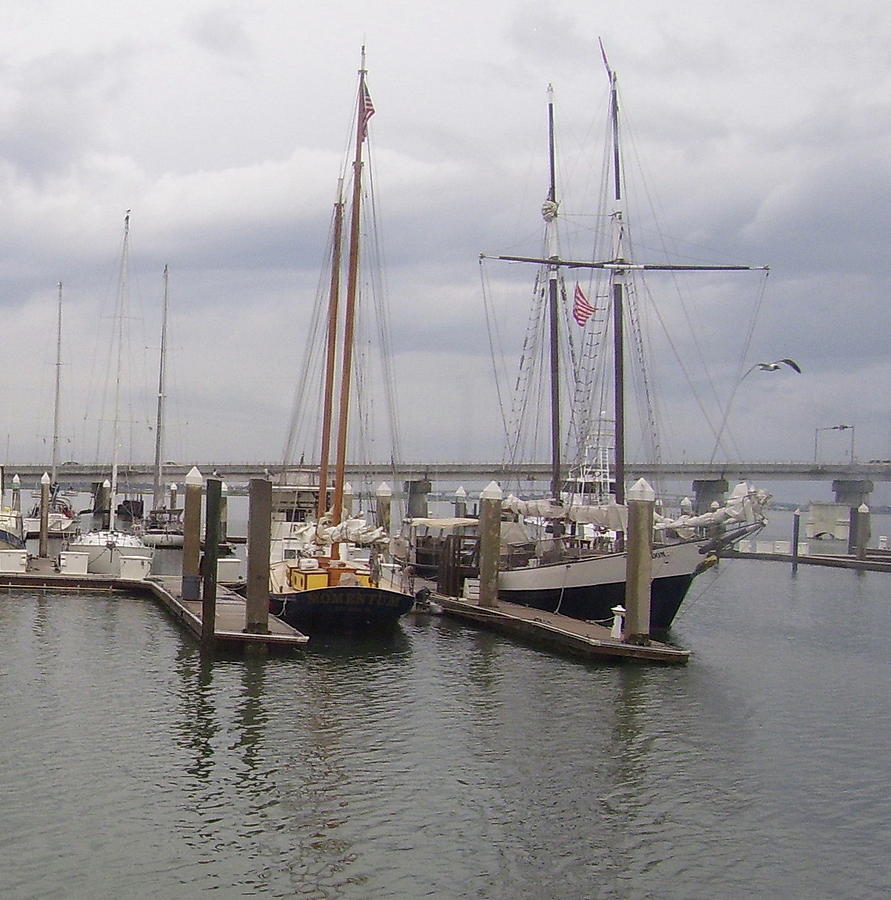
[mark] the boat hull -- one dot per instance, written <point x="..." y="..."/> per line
<point x="589" y="588"/>
<point x="165" y="540"/>
<point x="104" y="555"/>
<point x="341" y="608"/>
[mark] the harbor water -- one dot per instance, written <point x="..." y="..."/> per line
<point x="443" y="761"/>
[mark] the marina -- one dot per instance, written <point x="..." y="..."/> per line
<point x="448" y="760"/>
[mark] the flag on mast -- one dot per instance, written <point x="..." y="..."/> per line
<point x="581" y="309"/>
<point x="367" y="110"/>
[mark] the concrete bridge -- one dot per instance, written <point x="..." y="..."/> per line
<point x="851" y="483"/>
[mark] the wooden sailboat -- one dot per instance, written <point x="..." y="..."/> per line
<point x="107" y="545"/>
<point x="325" y="588"/>
<point x="579" y="580"/>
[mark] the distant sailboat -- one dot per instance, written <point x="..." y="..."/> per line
<point x="163" y="526"/>
<point x="61" y="518"/>
<point x="107" y="545"/>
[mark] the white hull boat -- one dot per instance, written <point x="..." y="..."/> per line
<point x="106" y="549"/>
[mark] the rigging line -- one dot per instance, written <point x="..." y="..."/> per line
<point x="491" y="331"/>
<point x="743" y="356"/>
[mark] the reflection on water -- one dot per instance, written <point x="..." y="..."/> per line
<point x="444" y="761"/>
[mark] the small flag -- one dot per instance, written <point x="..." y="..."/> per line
<point x="581" y="309"/>
<point x="366" y="111"/>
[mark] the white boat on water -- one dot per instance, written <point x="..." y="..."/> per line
<point x="12" y="535"/>
<point x="107" y="546"/>
<point x="106" y="550"/>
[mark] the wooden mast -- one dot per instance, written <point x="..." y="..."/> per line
<point x="553" y="302"/>
<point x="158" y="493"/>
<point x="331" y="350"/>
<point x="364" y="111"/>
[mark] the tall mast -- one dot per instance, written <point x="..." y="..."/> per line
<point x="121" y="304"/>
<point x="365" y="111"/>
<point x="550" y="216"/>
<point x="331" y="349"/>
<point x="158" y="494"/>
<point x="618" y="285"/>
<point x="55" y="467"/>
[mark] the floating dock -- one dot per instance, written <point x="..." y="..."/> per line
<point x="167" y="589"/>
<point x="558" y="632"/>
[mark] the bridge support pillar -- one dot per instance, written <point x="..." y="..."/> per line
<point x="707" y="491"/>
<point x="417" y="491"/>
<point x="852" y="493"/>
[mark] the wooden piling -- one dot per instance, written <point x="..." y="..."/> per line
<point x="43" y="540"/>
<point x="259" y="538"/>
<point x="16" y="493"/>
<point x="490" y="544"/>
<point x="460" y="503"/>
<point x="192" y="534"/>
<point x="213" y="492"/>
<point x="796" y="532"/>
<point x="173" y="490"/>
<point x="863" y="530"/>
<point x="641" y="499"/>
<point x="224" y="513"/>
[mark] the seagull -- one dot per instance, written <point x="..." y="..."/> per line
<point x="773" y="366"/>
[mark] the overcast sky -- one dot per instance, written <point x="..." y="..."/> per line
<point x="763" y="131"/>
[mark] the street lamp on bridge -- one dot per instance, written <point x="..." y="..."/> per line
<point x="835" y="428"/>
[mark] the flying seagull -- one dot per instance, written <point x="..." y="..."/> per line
<point x="773" y="366"/>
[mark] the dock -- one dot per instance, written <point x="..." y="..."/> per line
<point x="42" y="574"/>
<point x="557" y="632"/>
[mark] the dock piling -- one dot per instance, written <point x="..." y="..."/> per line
<point x="16" y="493"/>
<point x="384" y="494"/>
<point x="259" y="537"/>
<point x="213" y="492"/>
<point x="796" y="532"/>
<point x="192" y="534"/>
<point x="490" y="541"/>
<point x="641" y="499"/>
<point x="43" y="539"/>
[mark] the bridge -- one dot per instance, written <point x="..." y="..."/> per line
<point x="139" y="476"/>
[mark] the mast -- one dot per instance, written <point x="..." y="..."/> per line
<point x="618" y="286"/>
<point x="121" y="302"/>
<point x="55" y="467"/>
<point x="158" y="494"/>
<point x="364" y="112"/>
<point x="331" y="349"/>
<point x="550" y="216"/>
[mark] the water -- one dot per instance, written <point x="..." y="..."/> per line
<point x="447" y="762"/>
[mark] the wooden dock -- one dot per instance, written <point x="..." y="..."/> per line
<point x="42" y="574"/>
<point x="558" y="632"/>
<point x="872" y="561"/>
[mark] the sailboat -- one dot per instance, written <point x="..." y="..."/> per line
<point x="163" y="525"/>
<point x="61" y="517"/>
<point x="321" y="584"/>
<point x="576" y="577"/>
<point x="107" y="546"/>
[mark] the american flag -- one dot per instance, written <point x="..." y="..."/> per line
<point x="366" y="111"/>
<point x="581" y="309"/>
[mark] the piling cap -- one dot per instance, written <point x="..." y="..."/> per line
<point x="863" y="508"/>
<point x="45" y="479"/>
<point x="173" y="486"/>
<point x="224" y="488"/>
<point x="106" y="483"/>
<point x="384" y="490"/>
<point x="492" y="492"/>
<point x="347" y="488"/>
<point x="16" y="480"/>
<point x="194" y="478"/>
<point x="641" y="490"/>
<point x="461" y="493"/>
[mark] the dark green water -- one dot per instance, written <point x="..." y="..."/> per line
<point x="448" y="762"/>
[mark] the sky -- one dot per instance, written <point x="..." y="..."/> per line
<point x="761" y="131"/>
